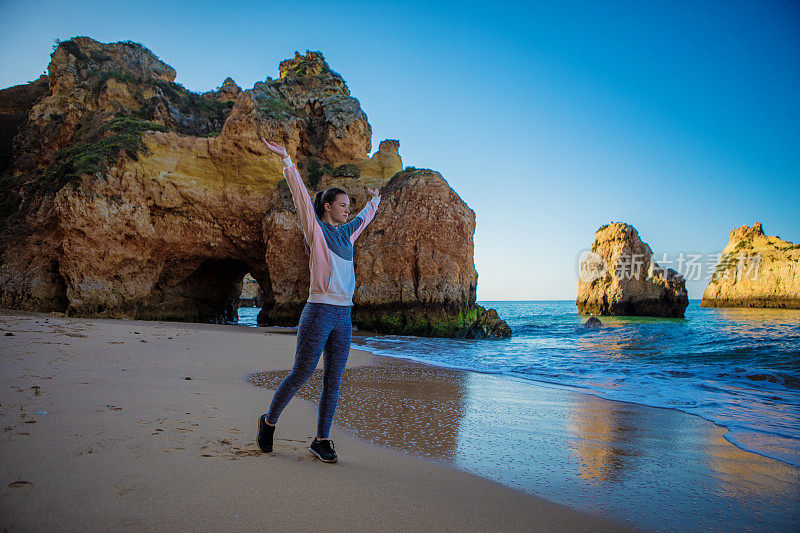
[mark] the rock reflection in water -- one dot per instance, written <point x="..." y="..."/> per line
<point x="607" y="442"/>
<point x="414" y="408"/>
<point x="660" y="469"/>
<point x="757" y="324"/>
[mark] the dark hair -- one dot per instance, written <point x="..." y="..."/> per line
<point x="328" y="196"/>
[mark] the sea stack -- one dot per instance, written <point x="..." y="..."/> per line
<point x="755" y="270"/>
<point x="126" y="195"/>
<point x="619" y="276"/>
<point x="420" y="252"/>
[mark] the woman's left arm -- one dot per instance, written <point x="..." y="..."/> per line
<point x="364" y="216"/>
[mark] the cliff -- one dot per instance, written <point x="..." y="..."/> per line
<point x="755" y="270"/>
<point x="126" y="195"/>
<point x="620" y="277"/>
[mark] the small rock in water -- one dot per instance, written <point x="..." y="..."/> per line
<point x="593" y="322"/>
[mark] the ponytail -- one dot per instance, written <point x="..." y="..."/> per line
<point x="319" y="205"/>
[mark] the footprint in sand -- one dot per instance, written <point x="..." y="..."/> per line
<point x="122" y="491"/>
<point x="230" y="450"/>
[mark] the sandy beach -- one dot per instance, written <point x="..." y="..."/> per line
<point x="132" y="425"/>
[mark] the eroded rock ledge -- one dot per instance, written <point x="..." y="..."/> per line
<point x="755" y="270"/>
<point x="126" y="195"/>
<point x="620" y="277"/>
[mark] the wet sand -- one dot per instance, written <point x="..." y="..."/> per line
<point x="102" y="430"/>
<point x="128" y="440"/>
<point x="657" y="469"/>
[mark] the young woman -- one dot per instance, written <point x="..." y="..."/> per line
<point x="325" y="321"/>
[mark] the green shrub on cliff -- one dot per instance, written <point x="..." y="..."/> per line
<point x="192" y="104"/>
<point x="347" y="171"/>
<point x="71" y="47"/>
<point x="272" y="106"/>
<point x="316" y="169"/>
<point x="101" y="81"/>
<point x="116" y="135"/>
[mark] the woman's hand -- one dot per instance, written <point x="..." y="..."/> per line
<point x="275" y="148"/>
<point x="374" y="192"/>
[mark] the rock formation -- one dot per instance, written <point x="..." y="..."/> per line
<point x="755" y="270"/>
<point x="593" y="322"/>
<point x="420" y="284"/>
<point x="252" y="295"/>
<point x="228" y="92"/>
<point x="383" y="165"/>
<point x="125" y="195"/>
<point x="620" y="277"/>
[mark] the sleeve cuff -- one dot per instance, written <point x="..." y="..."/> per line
<point x="286" y="161"/>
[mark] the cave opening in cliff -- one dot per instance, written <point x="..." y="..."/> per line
<point x="208" y="290"/>
<point x="252" y="294"/>
<point x="210" y="293"/>
<point x="59" y="300"/>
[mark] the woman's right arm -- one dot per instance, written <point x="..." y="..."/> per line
<point x="302" y="201"/>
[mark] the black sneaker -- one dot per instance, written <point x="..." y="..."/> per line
<point x="324" y="451"/>
<point x="265" y="432"/>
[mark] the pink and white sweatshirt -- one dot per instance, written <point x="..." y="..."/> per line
<point x="333" y="276"/>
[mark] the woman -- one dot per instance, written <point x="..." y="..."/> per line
<point x="325" y="321"/>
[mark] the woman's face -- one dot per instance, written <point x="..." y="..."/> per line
<point x="339" y="209"/>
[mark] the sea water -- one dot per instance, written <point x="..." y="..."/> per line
<point x="739" y="368"/>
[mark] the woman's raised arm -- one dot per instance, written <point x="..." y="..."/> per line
<point x="300" y="196"/>
<point x="354" y="228"/>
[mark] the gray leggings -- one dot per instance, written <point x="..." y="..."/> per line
<point x="322" y="327"/>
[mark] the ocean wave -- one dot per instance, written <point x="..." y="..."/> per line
<point x="740" y="370"/>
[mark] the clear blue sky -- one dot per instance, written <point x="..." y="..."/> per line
<point x="549" y="119"/>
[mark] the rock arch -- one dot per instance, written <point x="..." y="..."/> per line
<point x="129" y="196"/>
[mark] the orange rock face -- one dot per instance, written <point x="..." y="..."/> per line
<point x="755" y="270"/>
<point x="128" y="196"/>
<point x="620" y="277"/>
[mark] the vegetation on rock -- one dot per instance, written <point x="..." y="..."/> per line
<point x="115" y="136"/>
<point x="118" y="245"/>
